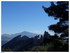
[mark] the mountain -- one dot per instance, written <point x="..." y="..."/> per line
<point x="7" y="37"/>
<point x="18" y="43"/>
<point x="29" y="34"/>
<point x="22" y="43"/>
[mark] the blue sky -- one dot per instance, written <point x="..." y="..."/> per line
<point x="18" y="16"/>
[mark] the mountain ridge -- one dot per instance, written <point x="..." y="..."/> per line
<point x="19" y="43"/>
<point x="8" y="37"/>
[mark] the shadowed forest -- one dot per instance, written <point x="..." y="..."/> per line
<point x="59" y="42"/>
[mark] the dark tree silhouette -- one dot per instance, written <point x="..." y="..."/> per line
<point x="59" y="11"/>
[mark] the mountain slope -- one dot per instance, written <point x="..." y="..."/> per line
<point x="22" y="43"/>
<point x="7" y="37"/>
<point x="18" y="43"/>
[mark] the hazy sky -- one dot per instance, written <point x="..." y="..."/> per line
<point x="25" y="16"/>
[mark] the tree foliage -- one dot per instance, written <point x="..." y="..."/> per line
<point x="60" y="11"/>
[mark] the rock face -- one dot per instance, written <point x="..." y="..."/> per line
<point x="38" y="40"/>
<point x="46" y="35"/>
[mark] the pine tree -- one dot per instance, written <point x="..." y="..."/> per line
<point x="59" y="11"/>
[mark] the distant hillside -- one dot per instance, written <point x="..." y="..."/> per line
<point x="7" y="37"/>
<point x="22" y="43"/>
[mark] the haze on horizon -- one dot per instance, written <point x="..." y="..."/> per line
<point x="25" y="16"/>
